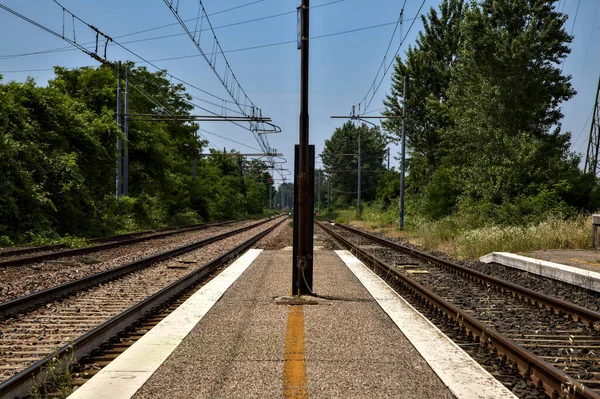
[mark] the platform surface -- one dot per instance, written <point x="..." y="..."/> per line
<point x="250" y="346"/>
<point x="581" y="258"/>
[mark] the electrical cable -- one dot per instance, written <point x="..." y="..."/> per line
<point x="92" y="54"/>
<point x="398" y="22"/>
<point x="395" y="54"/>
<point x="62" y="49"/>
<point x="571" y="34"/>
<point x="233" y="141"/>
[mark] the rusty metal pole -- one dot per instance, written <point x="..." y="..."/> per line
<point x="298" y="286"/>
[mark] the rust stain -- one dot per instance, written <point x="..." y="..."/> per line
<point x="294" y="367"/>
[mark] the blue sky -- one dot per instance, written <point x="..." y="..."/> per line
<point x="342" y="67"/>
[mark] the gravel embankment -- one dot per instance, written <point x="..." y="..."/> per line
<point x="30" y="337"/>
<point x="18" y="281"/>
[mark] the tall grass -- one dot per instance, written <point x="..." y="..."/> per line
<point x="458" y="237"/>
<point x="553" y="233"/>
<point x="372" y="216"/>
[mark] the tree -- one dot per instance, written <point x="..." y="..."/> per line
<point x="58" y="159"/>
<point x="429" y="66"/>
<point x="340" y="161"/>
<point x="505" y="98"/>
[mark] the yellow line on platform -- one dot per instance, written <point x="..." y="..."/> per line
<point x="294" y="367"/>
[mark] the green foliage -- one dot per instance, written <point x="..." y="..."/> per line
<point x="429" y="66"/>
<point x="58" y="157"/>
<point x="483" y="113"/>
<point x="340" y="161"/>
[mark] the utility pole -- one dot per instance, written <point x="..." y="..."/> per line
<point x="126" y="128"/>
<point x="119" y="150"/>
<point x="402" y="164"/>
<point x="319" y="194"/>
<point x="195" y="156"/>
<point x="358" y="189"/>
<point x="302" y="272"/>
<point x="328" y="192"/>
<point x="591" y="159"/>
<point x="388" y="157"/>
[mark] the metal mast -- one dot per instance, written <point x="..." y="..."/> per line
<point x="591" y="159"/>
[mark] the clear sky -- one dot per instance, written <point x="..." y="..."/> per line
<point x="342" y="67"/>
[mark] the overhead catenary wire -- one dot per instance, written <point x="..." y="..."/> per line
<point x="572" y="29"/>
<point x="103" y="60"/>
<point x="394" y="57"/>
<point x="281" y="43"/>
<point x="69" y="48"/>
<point x="383" y="61"/>
<point x="227" y="78"/>
<point x="228" y="139"/>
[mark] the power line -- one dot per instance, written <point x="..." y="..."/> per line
<point x="232" y="84"/>
<point x="572" y="29"/>
<point x="62" y="36"/>
<point x="382" y="65"/>
<point x="95" y="55"/>
<point x="69" y="48"/>
<point x="233" y="141"/>
<point x="226" y="51"/>
<point x="395" y="54"/>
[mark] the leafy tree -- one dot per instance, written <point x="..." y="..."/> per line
<point x="505" y="101"/>
<point x="429" y="66"/>
<point x="340" y="161"/>
<point x="58" y="159"/>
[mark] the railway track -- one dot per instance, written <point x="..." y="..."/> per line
<point x="538" y="345"/>
<point x="42" y="274"/>
<point x="93" y="316"/>
<point x="10" y="252"/>
<point x="52" y="252"/>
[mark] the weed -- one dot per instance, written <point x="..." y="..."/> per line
<point x="57" y="377"/>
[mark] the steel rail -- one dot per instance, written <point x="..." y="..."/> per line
<point x="101" y="247"/>
<point x="554" y="381"/>
<point x="13" y="252"/>
<point x="580" y="313"/>
<point x="37" y="299"/>
<point x="103" y="336"/>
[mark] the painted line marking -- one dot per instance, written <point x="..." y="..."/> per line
<point x="294" y="366"/>
<point x="122" y="378"/>
<point x="465" y="378"/>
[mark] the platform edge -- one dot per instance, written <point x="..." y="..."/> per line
<point x="463" y="376"/>
<point x="125" y="375"/>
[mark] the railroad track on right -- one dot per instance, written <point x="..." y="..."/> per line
<point x="539" y="346"/>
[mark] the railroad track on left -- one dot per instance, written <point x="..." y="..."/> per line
<point x="31" y="273"/>
<point x="25" y="256"/>
<point x="539" y="346"/>
<point x="73" y="324"/>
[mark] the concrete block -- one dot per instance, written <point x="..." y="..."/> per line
<point x="568" y="274"/>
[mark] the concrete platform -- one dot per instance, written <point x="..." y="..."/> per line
<point x="578" y="271"/>
<point x="361" y="340"/>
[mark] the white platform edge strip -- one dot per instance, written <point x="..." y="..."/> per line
<point x="568" y="274"/>
<point x="458" y="371"/>
<point x="128" y="372"/>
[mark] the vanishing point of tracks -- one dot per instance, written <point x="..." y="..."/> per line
<point x="93" y="315"/>
<point x="539" y="346"/>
